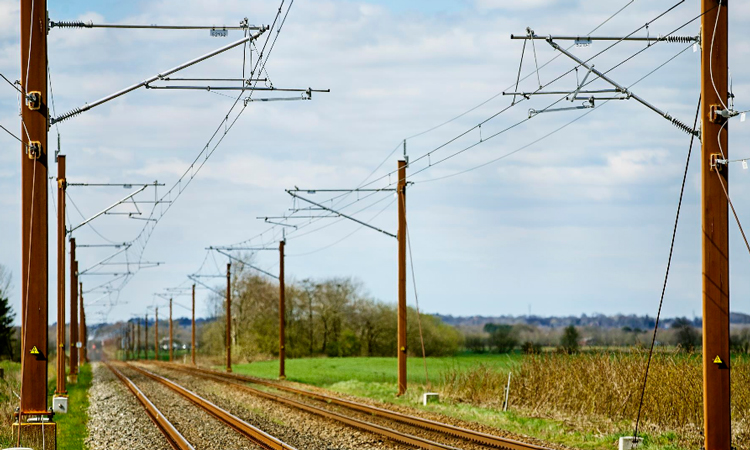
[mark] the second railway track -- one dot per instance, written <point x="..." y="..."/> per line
<point x="347" y="410"/>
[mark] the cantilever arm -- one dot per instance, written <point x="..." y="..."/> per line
<point x="104" y="211"/>
<point x="623" y="89"/>
<point x="291" y="192"/>
<point x="246" y="263"/>
<point x="158" y="76"/>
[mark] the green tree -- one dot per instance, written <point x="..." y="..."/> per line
<point x="502" y="338"/>
<point x="475" y="343"/>
<point x="686" y="335"/>
<point x="569" y="340"/>
<point x="6" y="315"/>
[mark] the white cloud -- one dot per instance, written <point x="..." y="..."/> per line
<point x="613" y="173"/>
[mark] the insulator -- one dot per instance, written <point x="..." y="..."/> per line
<point x="66" y="116"/>
<point x="687" y="129"/>
<point x="70" y="24"/>
<point x="679" y="39"/>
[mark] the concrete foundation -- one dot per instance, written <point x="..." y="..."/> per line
<point x="36" y="435"/>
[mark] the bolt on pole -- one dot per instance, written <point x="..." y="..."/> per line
<point x="192" y="331"/>
<point x="282" y="313"/>
<point x="229" y="317"/>
<point x="170" y="331"/>
<point x="61" y="389"/>
<point x="34" y="224"/>
<point x="401" y="192"/>
<point x="73" y="312"/>
<point x="715" y="224"/>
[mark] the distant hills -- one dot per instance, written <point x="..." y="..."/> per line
<point x="597" y="320"/>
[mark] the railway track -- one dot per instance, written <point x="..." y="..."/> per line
<point x="173" y="436"/>
<point x="474" y="436"/>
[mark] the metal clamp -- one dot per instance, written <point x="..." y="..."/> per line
<point x="35" y="150"/>
<point x="34" y="100"/>
<point x="716" y="162"/>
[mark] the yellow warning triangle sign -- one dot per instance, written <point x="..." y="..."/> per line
<point x="35" y="351"/>
<point x="717" y="360"/>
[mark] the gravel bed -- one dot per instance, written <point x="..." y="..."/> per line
<point x="394" y="425"/>
<point x="425" y="415"/>
<point x="460" y="443"/>
<point x="117" y="419"/>
<point x="300" y="429"/>
<point x="200" y="428"/>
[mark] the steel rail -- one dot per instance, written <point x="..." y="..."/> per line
<point x="174" y="437"/>
<point x="464" y="433"/>
<point x="256" y="434"/>
<point x="356" y="423"/>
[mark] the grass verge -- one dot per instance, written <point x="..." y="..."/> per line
<point x="72" y="427"/>
<point x="375" y="378"/>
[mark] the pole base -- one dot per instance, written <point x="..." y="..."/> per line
<point x="36" y="433"/>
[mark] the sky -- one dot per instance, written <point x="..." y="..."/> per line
<point x="567" y="212"/>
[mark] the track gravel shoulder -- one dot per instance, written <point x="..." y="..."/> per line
<point x="200" y="428"/>
<point x="117" y="419"/>
<point x="299" y="429"/>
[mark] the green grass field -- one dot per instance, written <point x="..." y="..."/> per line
<point x="326" y="372"/>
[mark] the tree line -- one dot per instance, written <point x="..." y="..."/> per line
<point x="332" y="317"/>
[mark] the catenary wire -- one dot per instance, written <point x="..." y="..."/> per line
<point x="476" y="107"/>
<point x="426" y="155"/>
<point x="479" y="166"/>
<point x="666" y="274"/>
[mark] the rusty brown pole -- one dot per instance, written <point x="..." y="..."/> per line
<point x="170" y="330"/>
<point x="34" y="225"/>
<point x="81" y="328"/>
<point x="229" y="317"/>
<point x="192" y="331"/>
<point x="138" y="340"/>
<point x="73" y="312"/>
<point x="60" y="389"/>
<point x="156" y="335"/>
<point x="85" y="334"/>
<point x="145" y="335"/>
<point x="282" y="313"/>
<point x="715" y="222"/>
<point x="401" y="191"/>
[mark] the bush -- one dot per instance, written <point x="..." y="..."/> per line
<point x="569" y="340"/>
<point x="687" y="336"/>
<point x="531" y="348"/>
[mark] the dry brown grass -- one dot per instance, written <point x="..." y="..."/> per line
<point x="607" y="385"/>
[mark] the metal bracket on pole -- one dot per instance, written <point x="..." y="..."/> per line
<point x="677" y="123"/>
<point x="244" y="25"/>
<point x="295" y="195"/>
<point x="233" y="258"/>
<point x="196" y="280"/>
<point x="104" y="211"/>
<point x="88" y="106"/>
